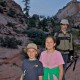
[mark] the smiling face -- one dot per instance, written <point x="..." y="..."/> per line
<point x="31" y="53"/>
<point x="64" y="27"/>
<point x="50" y="43"/>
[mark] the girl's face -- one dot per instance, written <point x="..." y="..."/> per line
<point x="49" y="43"/>
<point x="64" y="27"/>
<point x="32" y="53"/>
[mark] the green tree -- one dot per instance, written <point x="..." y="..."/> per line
<point x="43" y="24"/>
<point x="31" y="23"/>
<point x="26" y="9"/>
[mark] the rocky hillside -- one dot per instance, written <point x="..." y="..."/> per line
<point x="12" y="24"/>
<point x="11" y="17"/>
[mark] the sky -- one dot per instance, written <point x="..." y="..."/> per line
<point x="44" y="7"/>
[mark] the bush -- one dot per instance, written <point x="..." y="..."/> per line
<point x="3" y="3"/>
<point x="32" y="33"/>
<point x="77" y="47"/>
<point x="10" y="42"/>
<point x="31" y="23"/>
<point x="36" y="35"/>
<point x="9" y="24"/>
<point x="38" y="41"/>
<point x="12" y="13"/>
<point x="19" y="42"/>
<point x="21" y="20"/>
<point x="75" y="33"/>
<point x="1" y="41"/>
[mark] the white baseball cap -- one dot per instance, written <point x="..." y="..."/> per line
<point x="64" y="21"/>
<point x="31" y="45"/>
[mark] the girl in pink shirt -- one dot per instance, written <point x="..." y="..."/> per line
<point x="52" y="61"/>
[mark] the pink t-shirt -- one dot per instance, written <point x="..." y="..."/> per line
<point x="51" y="60"/>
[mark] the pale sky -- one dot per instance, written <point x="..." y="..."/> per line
<point x="44" y="7"/>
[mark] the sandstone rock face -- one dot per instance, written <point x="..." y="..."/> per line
<point x="17" y="20"/>
<point x="4" y="19"/>
<point x="10" y="64"/>
<point x="10" y="59"/>
<point x="74" y="75"/>
<point x="9" y="72"/>
<point x="14" y="5"/>
<point x="70" y="11"/>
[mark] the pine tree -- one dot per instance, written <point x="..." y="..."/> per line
<point x="26" y="9"/>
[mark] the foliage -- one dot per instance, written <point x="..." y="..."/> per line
<point x="12" y="13"/>
<point x="35" y="17"/>
<point x="31" y="23"/>
<point x="37" y="36"/>
<point x="3" y="3"/>
<point x="26" y="9"/>
<point x="37" y="27"/>
<point x="10" y="42"/>
<point x="41" y="22"/>
<point x="43" y="25"/>
<point x="76" y="47"/>
<point x="9" y="24"/>
<point x="76" y="38"/>
<point x="76" y="34"/>
<point x="21" y="20"/>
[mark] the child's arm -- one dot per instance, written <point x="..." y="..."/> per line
<point x="40" y="71"/>
<point x="40" y="77"/>
<point x="61" y="72"/>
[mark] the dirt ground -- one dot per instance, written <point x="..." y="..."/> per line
<point x="74" y="75"/>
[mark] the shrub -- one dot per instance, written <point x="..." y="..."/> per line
<point x="19" y="42"/>
<point x="10" y="42"/>
<point x="12" y="12"/>
<point x="1" y="41"/>
<point x="3" y="3"/>
<point x="75" y="33"/>
<point x="21" y="20"/>
<point x="9" y="24"/>
<point x="36" y="35"/>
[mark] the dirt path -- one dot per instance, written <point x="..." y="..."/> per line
<point x="74" y="75"/>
